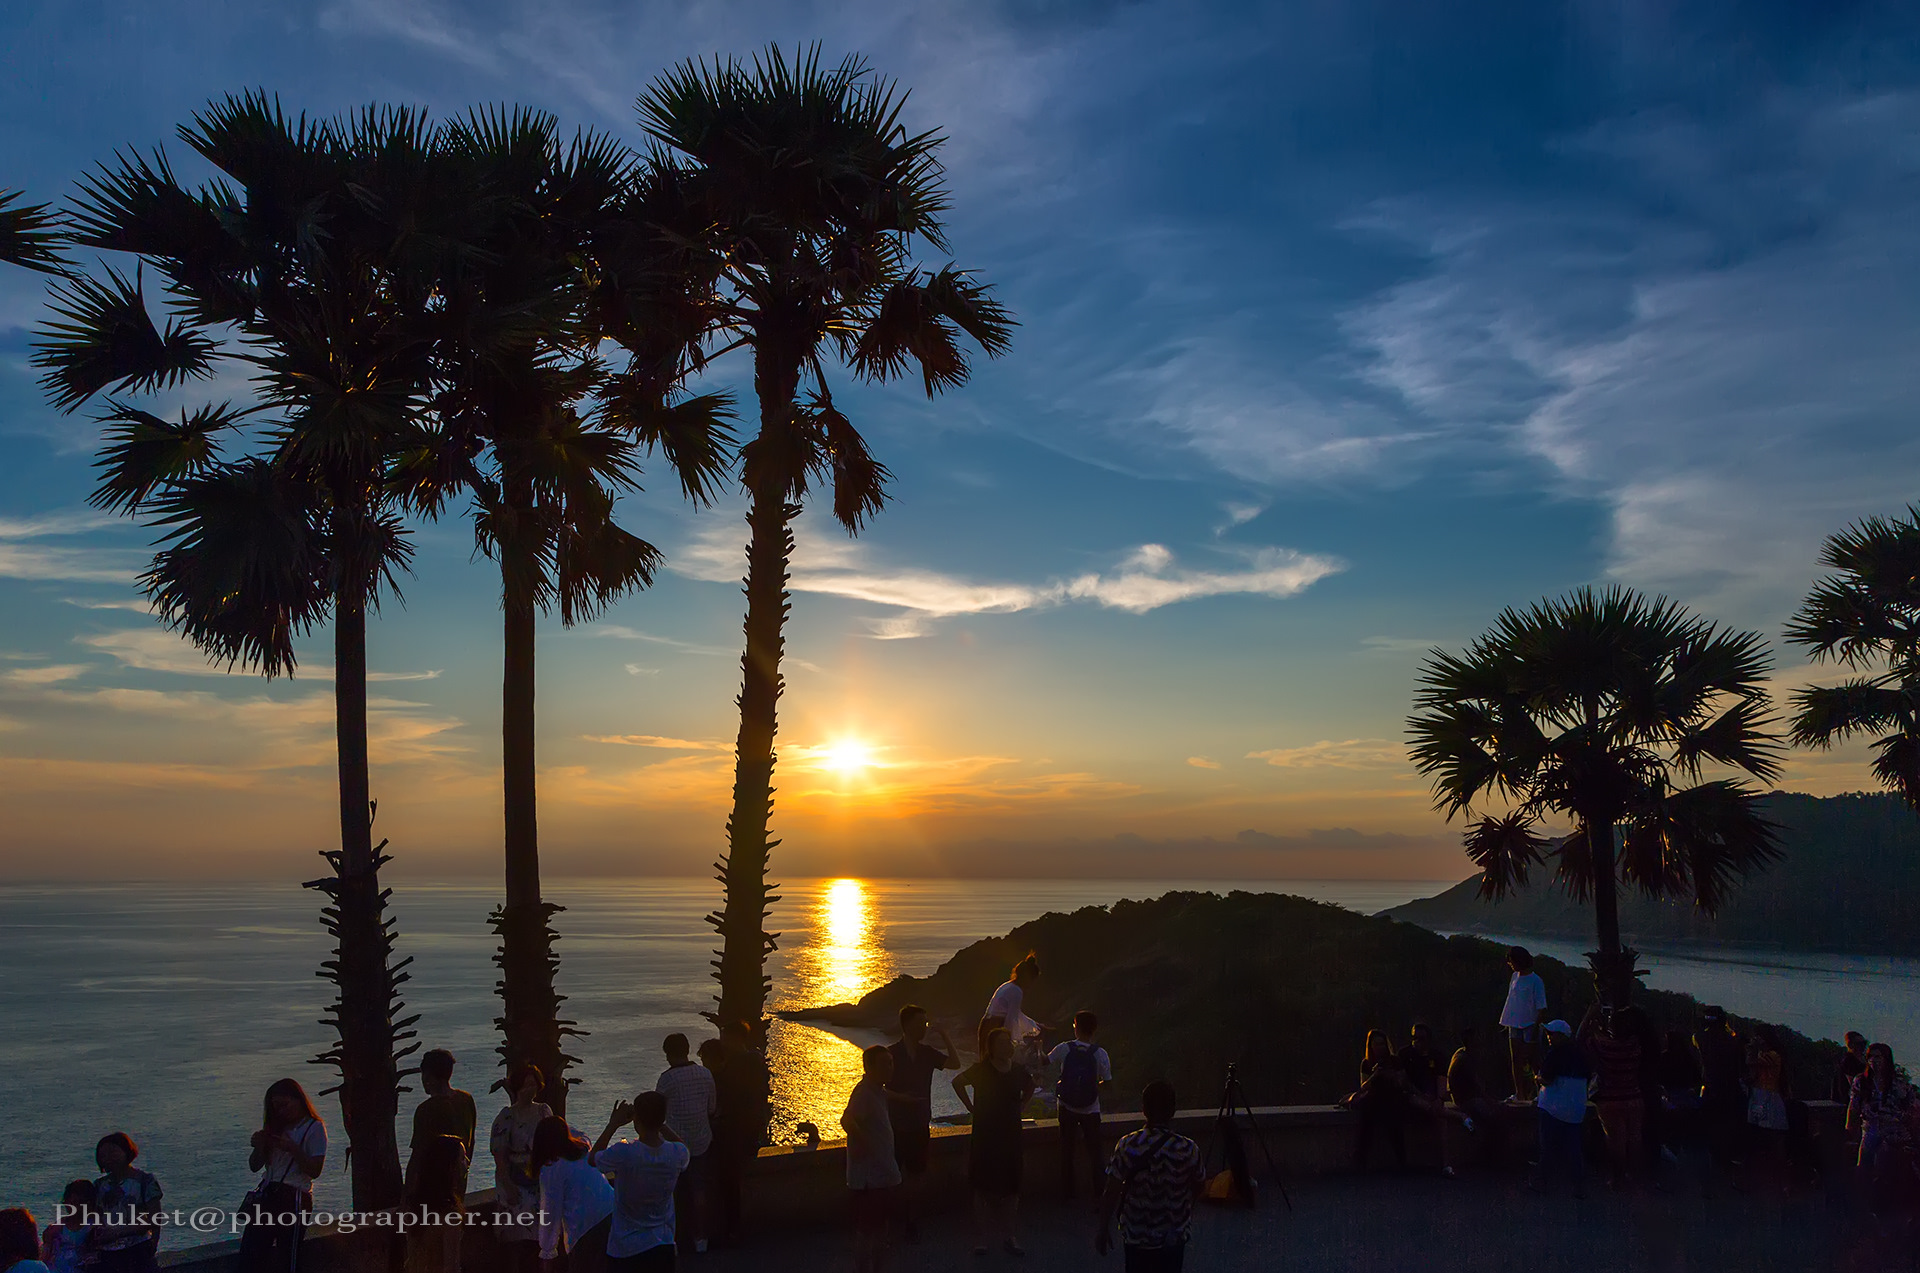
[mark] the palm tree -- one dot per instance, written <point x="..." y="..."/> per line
<point x="516" y="365"/>
<point x="1603" y="708"/>
<point x="816" y="193"/>
<point x="1867" y="619"/>
<point x="306" y="265"/>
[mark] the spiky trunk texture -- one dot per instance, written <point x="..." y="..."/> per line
<point x="363" y="1015"/>
<point x="742" y="921"/>
<point x="530" y="1025"/>
<point x="1612" y="964"/>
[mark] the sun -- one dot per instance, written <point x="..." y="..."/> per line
<point x="846" y="756"/>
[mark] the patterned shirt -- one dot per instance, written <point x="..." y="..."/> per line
<point x="1887" y="1113"/>
<point x="118" y="1199"/>
<point x="1161" y="1172"/>
<point x="692" y="1100"/>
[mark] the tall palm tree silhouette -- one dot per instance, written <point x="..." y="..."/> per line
<point x="1604" y="708"/>
<point x="1867" y="619"/>
<point x="309" y="261"/>
<point x="816" y="193"/>
<point x="542" y="460"/>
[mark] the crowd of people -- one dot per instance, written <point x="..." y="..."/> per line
<point x="1718" y="1096"/>
<point x="633" y="1203"/>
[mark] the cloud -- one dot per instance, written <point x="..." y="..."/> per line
<point x="50" y="674"/>
<point x="1201" y="762"/>
<point x="1731" y="374"/>
<point x="655" y="740"/>
<point x="162" y="650"/>
<point x="1350" y="753"/>
<point x="21" y="558"/>
<point x="634" y="669"/>
<point x="621" y="632"/>
<point x="1147" y="578"/>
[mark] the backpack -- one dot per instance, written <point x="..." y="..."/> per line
<point x="1079" y="1083"/>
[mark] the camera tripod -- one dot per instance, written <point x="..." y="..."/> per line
<point x="1226" y="1133"/>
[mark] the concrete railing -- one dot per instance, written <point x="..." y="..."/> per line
<point x="790" y="1188"/>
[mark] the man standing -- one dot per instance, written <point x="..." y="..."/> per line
<point x="1084" y="1070"/>
<point x="447" y="1111"/>
<point x="1853" y="1063"/>
<point x="692" y="1100"/>
<point x="909" y="1095"/>
<point x="873" y="1175"/>
<point x="1526" y="1008"/>
<point x="645" y="1173"/>
<point x="1152" y="1182"/>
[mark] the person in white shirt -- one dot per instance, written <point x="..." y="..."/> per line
<point x="1525" y="1009"/>
<point x="576" y="1202"/>
<point x="692" y="1099"/>
<point x="289" y="1150"/>
<point x="1005" y="1011"/>
<point x="1083" y="1071"/>
<point x="873" y="1173"/>
<point x="645" y="1172"/>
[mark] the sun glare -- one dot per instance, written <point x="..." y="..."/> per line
<point x="846" y="757"/>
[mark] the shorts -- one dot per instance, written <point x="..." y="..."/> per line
<point x="874" y="1209"/>
<point x="911" y="1140"/>
<point x="1523" y="1034"/>
<point x="655" y="1259"/>
<point x="1767" y="1110"/>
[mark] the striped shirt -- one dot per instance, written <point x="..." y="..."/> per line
<point x="1161" y="1172"/>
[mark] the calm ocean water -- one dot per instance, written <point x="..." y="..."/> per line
<point x="164" y="1010"/>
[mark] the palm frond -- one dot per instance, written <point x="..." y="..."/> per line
<point x="243" y="566"/>
<point x="1506" y="849"/>
<point x="142" y="452"/>
<point x="1699" y="841"/>
<point x="693" y="432"/>
<point x="102" y="337"/>
<point x="31" y="235"/>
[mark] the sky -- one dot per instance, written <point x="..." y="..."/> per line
<point x="1343" y="326"/>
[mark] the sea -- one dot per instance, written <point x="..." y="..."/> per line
<point x="164" y="1010"/>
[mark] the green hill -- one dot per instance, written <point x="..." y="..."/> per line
<point x="1850" y="882"/>
<point x="1284" y="987"/>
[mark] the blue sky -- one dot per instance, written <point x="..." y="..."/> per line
<point x="1344" y="326"/>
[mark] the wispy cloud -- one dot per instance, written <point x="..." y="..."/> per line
<point x="1202" y="762"/>
<point x="23" y="557"/>
<point x="47" y="674"/>
<point x="1349" y="753"/>
<point x="620" y="631"/>
<point x="657" y="740"/>
<point x="160" y="650"/>
<point x="1147" y="578"/>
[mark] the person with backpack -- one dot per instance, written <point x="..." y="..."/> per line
<point x="1083" y="1069"/>
<point x="1152" y="1182"/>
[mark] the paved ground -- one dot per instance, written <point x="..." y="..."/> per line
<point x="1419" y="1224"/>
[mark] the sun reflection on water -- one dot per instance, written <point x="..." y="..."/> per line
<point x="839" y="956"/>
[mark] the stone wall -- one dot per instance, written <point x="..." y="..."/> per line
<point x="793" y="1189"/>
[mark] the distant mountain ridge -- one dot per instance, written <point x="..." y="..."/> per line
<point x="1849" y="883"/>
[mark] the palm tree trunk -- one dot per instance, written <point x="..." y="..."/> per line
<point x="530" y="1024"/>
<point x="742" y="921"/>
<point x="1612" y="965"/>
<point x="363" y="1015"/>
<point x="745" y="943"/>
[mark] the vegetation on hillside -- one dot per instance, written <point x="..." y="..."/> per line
<point x="1283" y="987"/>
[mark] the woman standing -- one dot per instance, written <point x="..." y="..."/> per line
<point x="995" y="1091"/>
<point x="516" y="1186"/>
<point x="576" y="1202"/>
<point x="289" y="1150"/>
<point x="1883" y="1110"/>
<point x="127" y="1197"/>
